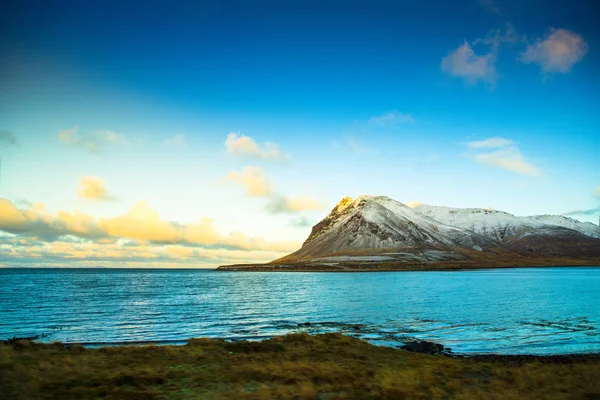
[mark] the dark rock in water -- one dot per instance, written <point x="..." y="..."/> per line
<point x="423" y="346"/>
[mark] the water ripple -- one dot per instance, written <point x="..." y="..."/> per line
<point x="539" y="311"/>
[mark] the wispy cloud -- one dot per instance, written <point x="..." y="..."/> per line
<point x="490" y="6"/>
<point x="463" y="63"/>
<point x="592" y="211"/>
<point x="93" y="188"/>
<point x="257" y="184"/>
<point x="391" y="118"/>
<point x="509" y="158"/>
<point x="475" y="66"/>
<point x="175" y="141"/>
<point x="7" y="138"/>
<point x="245" y="146"/>
<point x="301" y="222"/>
<point x="557" y="52"/>
<point x="497" y="37"/>
<point x="490" y="143"/>
<point x="94" y="142"/>
<point x="279" y="203"/>
<point x="506" y="155"/>
<point x="350" y="145"/>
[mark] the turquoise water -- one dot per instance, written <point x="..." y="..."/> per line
<point x="510" y="311"/>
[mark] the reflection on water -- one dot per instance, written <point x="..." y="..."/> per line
<point x="538" y="311"/>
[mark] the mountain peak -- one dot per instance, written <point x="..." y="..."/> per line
<point x="349" y="201"/>
<point x="343" y="204"/>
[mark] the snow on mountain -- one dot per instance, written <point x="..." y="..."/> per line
<point x="364" y="223"/>
<point x="586" y="228"/>
<point x="451" y="235"/>
<point x="376" y="223"/>
<point x="500" y="225"/>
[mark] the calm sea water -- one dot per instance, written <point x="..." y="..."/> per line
<point x="537" y="310"/>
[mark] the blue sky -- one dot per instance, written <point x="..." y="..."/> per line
<point x="261" y="116"/>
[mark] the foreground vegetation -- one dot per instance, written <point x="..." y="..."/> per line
<point x="301" y="366"/>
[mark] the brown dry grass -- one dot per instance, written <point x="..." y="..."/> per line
<point x="299" y="366"/>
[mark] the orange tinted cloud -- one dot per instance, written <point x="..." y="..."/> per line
<point x="245" y="146"/>
<point x="557" y="52"/>
<point x="254" y="181"/>
<point x="140" y="223"/>
<point x="15" y="251"/>
<point x="257" y="184"/>
<point x="93" y="188"/>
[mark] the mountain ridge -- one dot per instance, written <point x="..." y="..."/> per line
<point x="378" y="230"/>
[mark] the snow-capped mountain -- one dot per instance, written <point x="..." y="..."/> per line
<point x="378" y="223"/>
<point x="377" y="226"/>
<point x="506" y="227"/>
<point x="587" y="228"/>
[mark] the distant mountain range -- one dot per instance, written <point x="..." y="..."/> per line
<point x="376" y="232"/>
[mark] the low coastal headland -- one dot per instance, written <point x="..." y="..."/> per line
<point x="374" y="265"/>
<point x="298" y="366"/>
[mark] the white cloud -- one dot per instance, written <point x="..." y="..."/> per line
<point x="557" y="52"/>
<point x="94" y="142"/>
<point x="509" y="158"/>
<point x="392" y="118"/>
<point x="463" y="63"/>
<point x="93" y="188"/>
<point x="245" y="146"/>
<point x="506" y="155"/>
<point x="490" y="143"/>
<point x="175" y="141"/>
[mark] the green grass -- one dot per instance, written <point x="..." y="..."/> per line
<point x="300" y="366"/>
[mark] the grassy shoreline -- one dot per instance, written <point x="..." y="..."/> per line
<point x="300" y="366"/>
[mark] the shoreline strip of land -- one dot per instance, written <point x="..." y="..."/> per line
<point x="402" y="266"/>
<point x="299" y="366"/>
